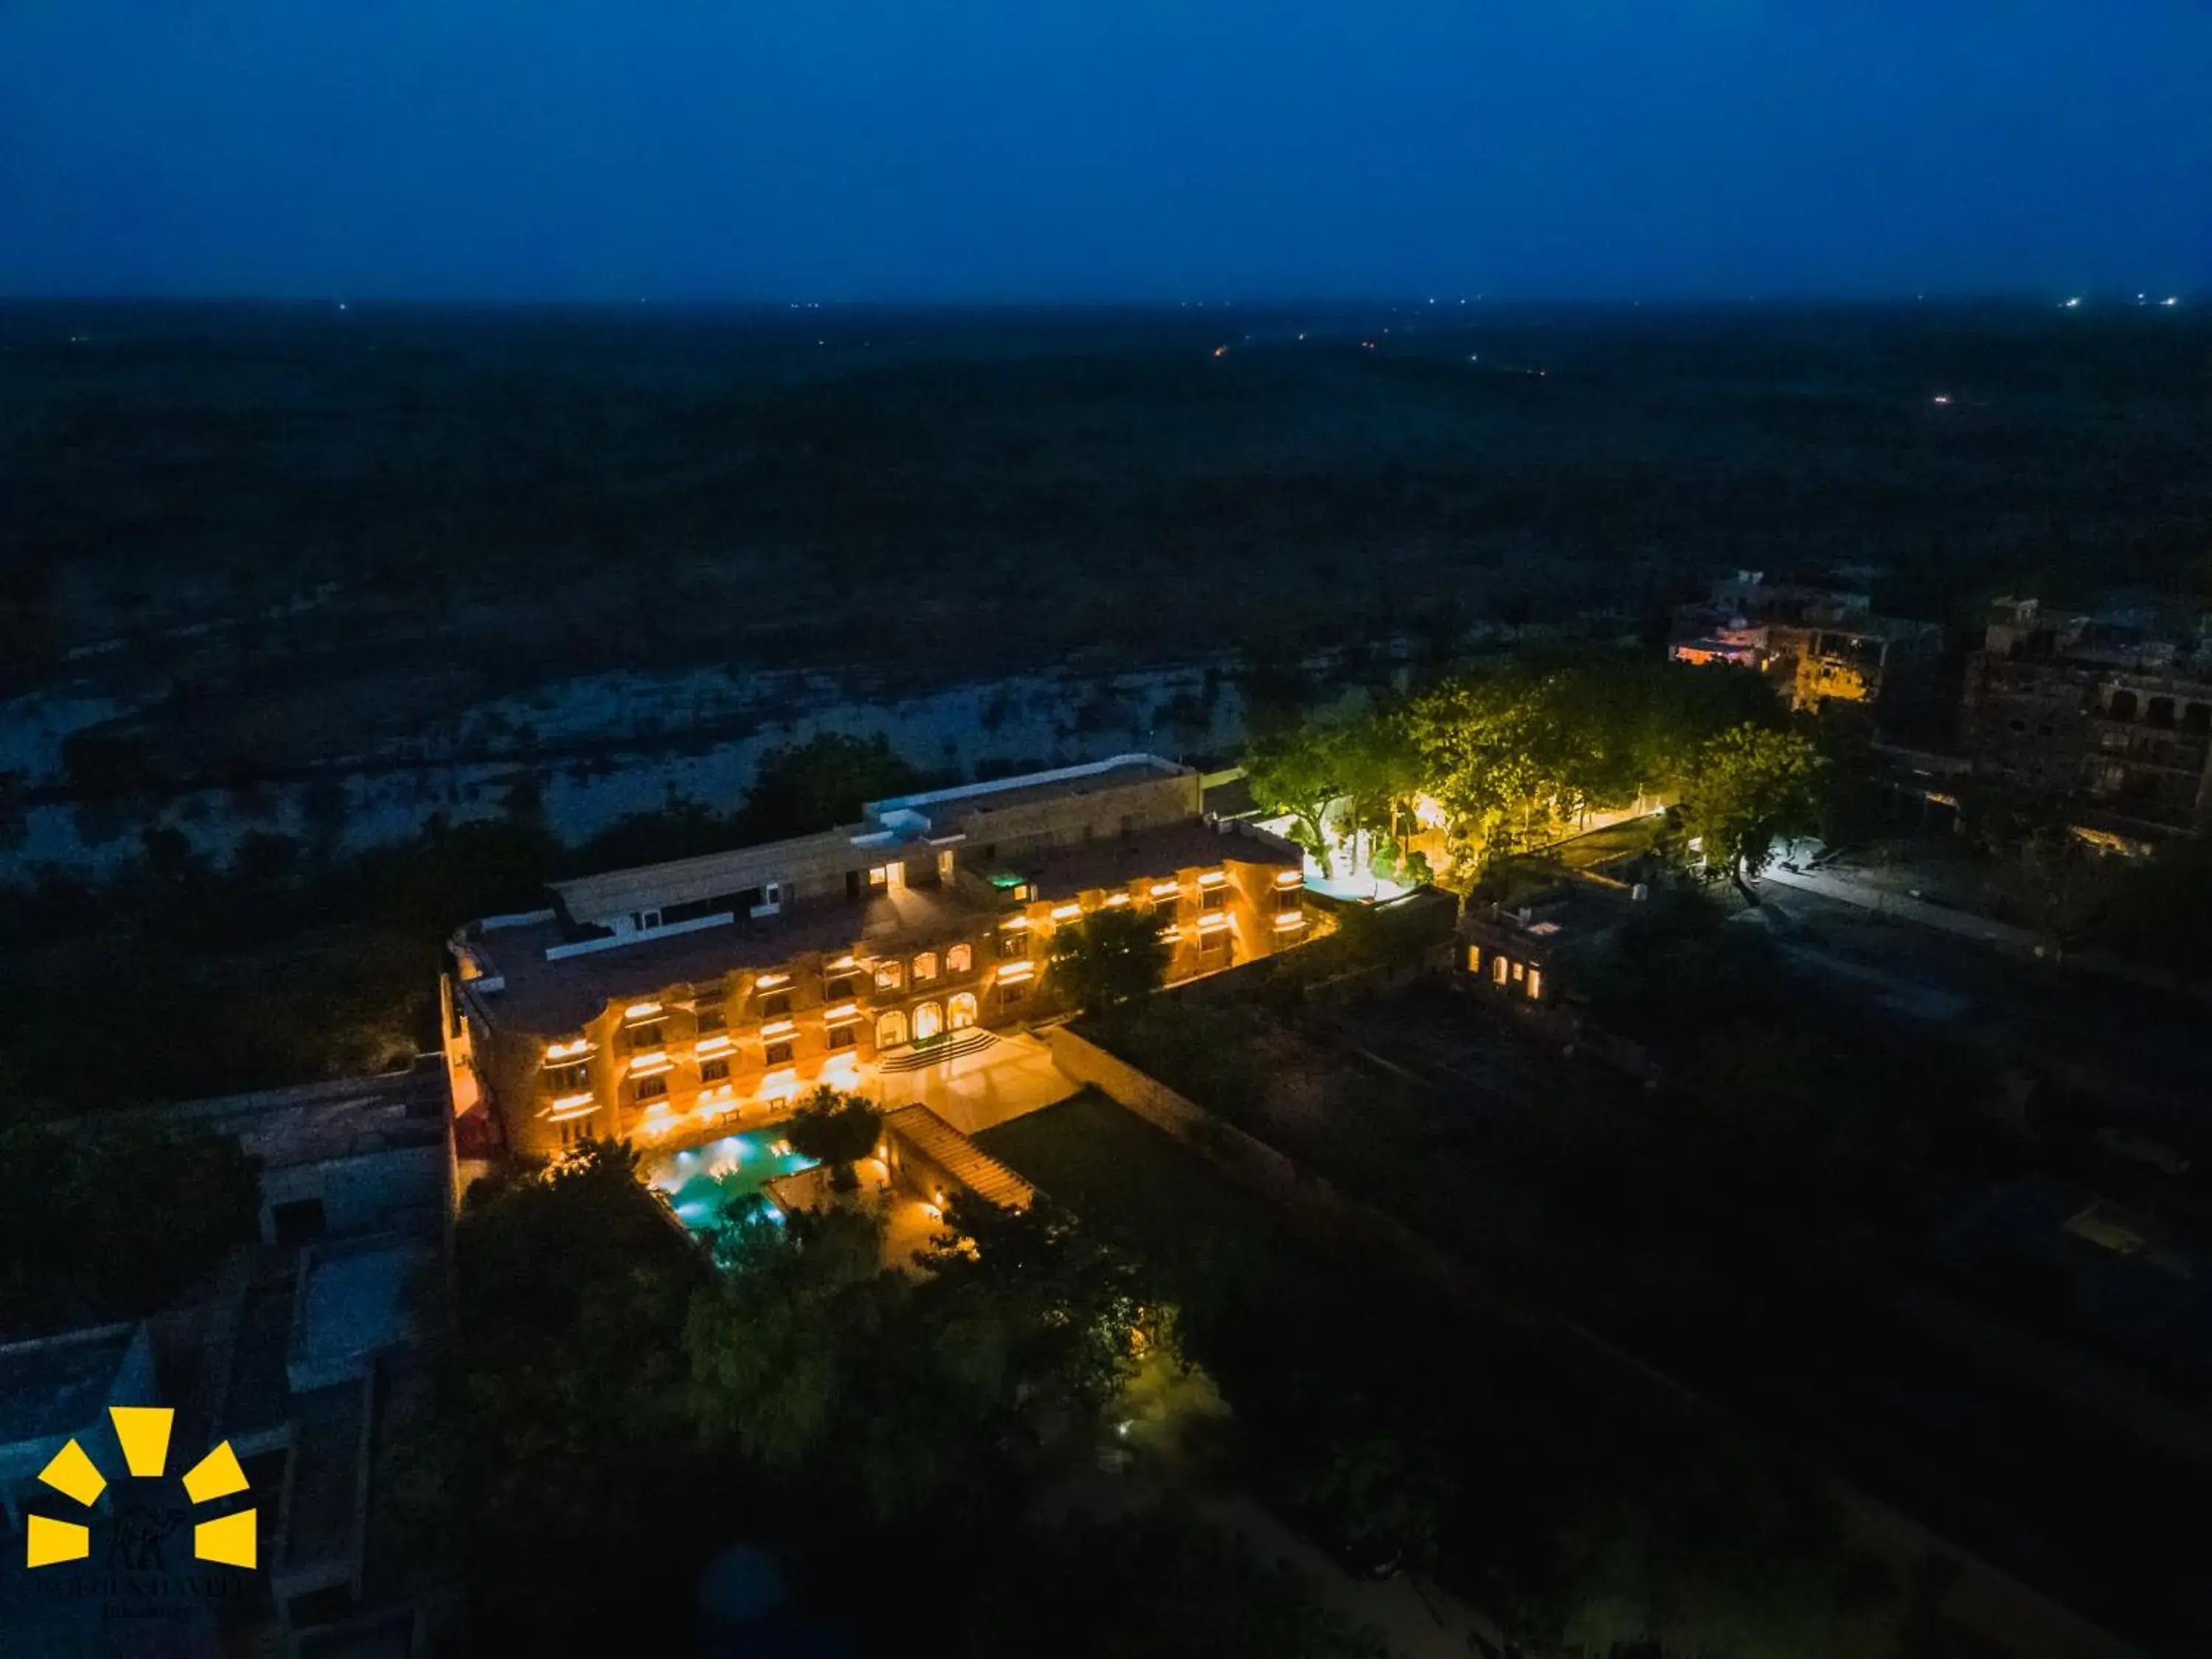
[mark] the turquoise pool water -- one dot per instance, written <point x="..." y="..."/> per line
<point x="701" y="1180"/>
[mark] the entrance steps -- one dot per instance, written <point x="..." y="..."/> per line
<point x="972" y="1041"/>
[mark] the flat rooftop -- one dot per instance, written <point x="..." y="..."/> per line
<point x="58" y="1385"/>
<point x="315" y="1122"/>
<point x="558" y="997"/>
<point x="978" y="800"/>
<point x="1061" y="873"/>
<point x="355" y="1299"/>
<point x="1555" y="916"/>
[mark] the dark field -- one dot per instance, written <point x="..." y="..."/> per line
<point x="541" y="492"/>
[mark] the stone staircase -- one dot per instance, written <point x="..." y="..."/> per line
<point x="973" y="1041"/>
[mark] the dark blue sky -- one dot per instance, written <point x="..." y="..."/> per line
<point x="970" y="150"/>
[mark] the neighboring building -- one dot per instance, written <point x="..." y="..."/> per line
<point x="2112" y="713"/>
<point x="301" y="1353"/>
<point x="1817" y="645"/>
<point x="669" y="1001"/>
<point x="57" y="1388"/>
<point x="1528" y="949"/>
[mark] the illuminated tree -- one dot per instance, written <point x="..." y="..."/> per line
<point x="1749" y="787"/>
<point x="833" y="1128"/>
<point x="1109" y="958"/>
<point x="1299" y="771"/>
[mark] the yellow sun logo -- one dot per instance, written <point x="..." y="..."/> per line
<point x="143" y="1431"/>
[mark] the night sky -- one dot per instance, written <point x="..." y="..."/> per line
<point x="1137" y="149"/>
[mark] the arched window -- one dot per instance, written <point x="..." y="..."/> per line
<point x="958" y="960"/>
<point x="890" y="1029"/>
<point x="928" y="1021"/>
<point x="925" y="967"/>
<point x="961" y="1011"/>
<point x="2123" y="706"/>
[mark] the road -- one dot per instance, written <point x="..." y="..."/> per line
<point x="2142" y="1049"/>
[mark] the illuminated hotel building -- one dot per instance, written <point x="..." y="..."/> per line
<point x="670" y="1002"/>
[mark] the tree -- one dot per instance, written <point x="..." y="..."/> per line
<point x="1749" y="787"/>
<point x="1379" y="768"/>
<point x="145" y="1215"/>
<point x="2162" y="916"/>
<point x="1710" y="1548"/>
<point x="1109" y="958"/>
<point x="834" y="1128"/>
<point x="774" y="1345"/>
<point x="1298" y="770"/>
<point x="820" y="783"/>
<point x="1163" y="1583"/>
<point x="557" y="1428"/>
<point x="1070" y="1303"/>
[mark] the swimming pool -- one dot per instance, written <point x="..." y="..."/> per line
<point x="702" y="1181"/>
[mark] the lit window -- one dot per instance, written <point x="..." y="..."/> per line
<point x="890" y="975"/>
<point x="1474" y="958"/>
<point x="960" y="959"/>
<point x="1499" y="968"/>
<point x="1011" y="946"/>
<point x="840" y="1036"/>
<point x="925" y="967"/>
<point x="714" y="1071"/>
<point x="1520" y="970"/>
<point x="880" y="876"/>
<point x="568" y="1079"/>
<point x="1535" y="984"/>
<point x="779" y="1054"/>
<point x="652" y="1088"/>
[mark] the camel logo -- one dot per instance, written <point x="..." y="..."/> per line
<point x="139" y="1531"/>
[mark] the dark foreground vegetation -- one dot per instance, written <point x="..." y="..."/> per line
<point x="880" y="1449"/>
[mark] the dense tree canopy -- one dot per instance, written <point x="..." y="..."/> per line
<point x="1750" y="787"/>
<point x="1109" y="958"/>
<point x="115" y="1226"/>
<point x="834" y="1128"/>
<point x="1510" y="750"/>
<point x="821" y="782"/>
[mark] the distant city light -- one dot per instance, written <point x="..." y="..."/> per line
<point x="2171" y="300"/>
<point x="1221" y="351"/>
<point x="2074" y="302"/>
<point x="1942" y="397"/>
